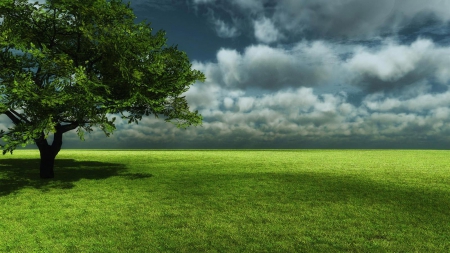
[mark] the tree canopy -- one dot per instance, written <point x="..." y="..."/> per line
<point x="68" y="65"/>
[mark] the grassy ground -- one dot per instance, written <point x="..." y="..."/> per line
<point x="227" y="201"/>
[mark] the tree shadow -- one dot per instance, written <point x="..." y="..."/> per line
<point x="373" y="212"/>
<point x="18" y="174"/>
<point x="319" y="189"/>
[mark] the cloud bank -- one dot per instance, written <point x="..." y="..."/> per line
<point x="298" y="118"/>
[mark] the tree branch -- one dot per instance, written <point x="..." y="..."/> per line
<point x="14" y="119"/>
<point x="52" y="41"/>
<point x="20" y="116"/>
<point x="41" y="142"/>
<point x="66" y="128"/>
<point x="37" y="80"/>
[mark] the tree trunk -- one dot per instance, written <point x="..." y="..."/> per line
<point x="47" y="163"/>
<point x="48" y="154"/>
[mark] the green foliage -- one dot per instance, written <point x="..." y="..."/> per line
<point x="77" y="62"/>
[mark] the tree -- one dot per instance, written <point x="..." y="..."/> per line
<point x="67" y="65"/>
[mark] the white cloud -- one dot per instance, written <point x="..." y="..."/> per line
<point x="246" y="104"/>
<point x="224" y="30"/>
<point x="301" y="115"/>
<point x="394" y="65"/>
<point x="5" y="123"/>
<point x="228" y="102"/>
<point x="307" y="64"/>
<point x="417" y="104"/>
<point x="390" y="66"/>
<point x="393" y="62"/>
<point x="265" y="31"/>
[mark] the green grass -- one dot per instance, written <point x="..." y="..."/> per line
<point x="227" y="201"/>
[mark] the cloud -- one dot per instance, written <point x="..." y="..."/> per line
<point x="298" y="117"/>
<point x="393" y="62"/>
<point x="293" y="111"/>
<point x="417" y="104"/>
<point x="224" y="30"/>
<point x="335" y="18"/>
<point x="5" y="123"/>
<point x="306" y="64"/>
<point x="300" y="114"/>
<point x="356" y="19"/>
<point x="389" y="66"/>
<point x="265" y="31"/>
<point x="396" y="66"/>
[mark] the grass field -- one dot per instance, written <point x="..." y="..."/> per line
<point x="227" y="201"/>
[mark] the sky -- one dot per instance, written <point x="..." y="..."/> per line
<point x="302" y="74"/>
